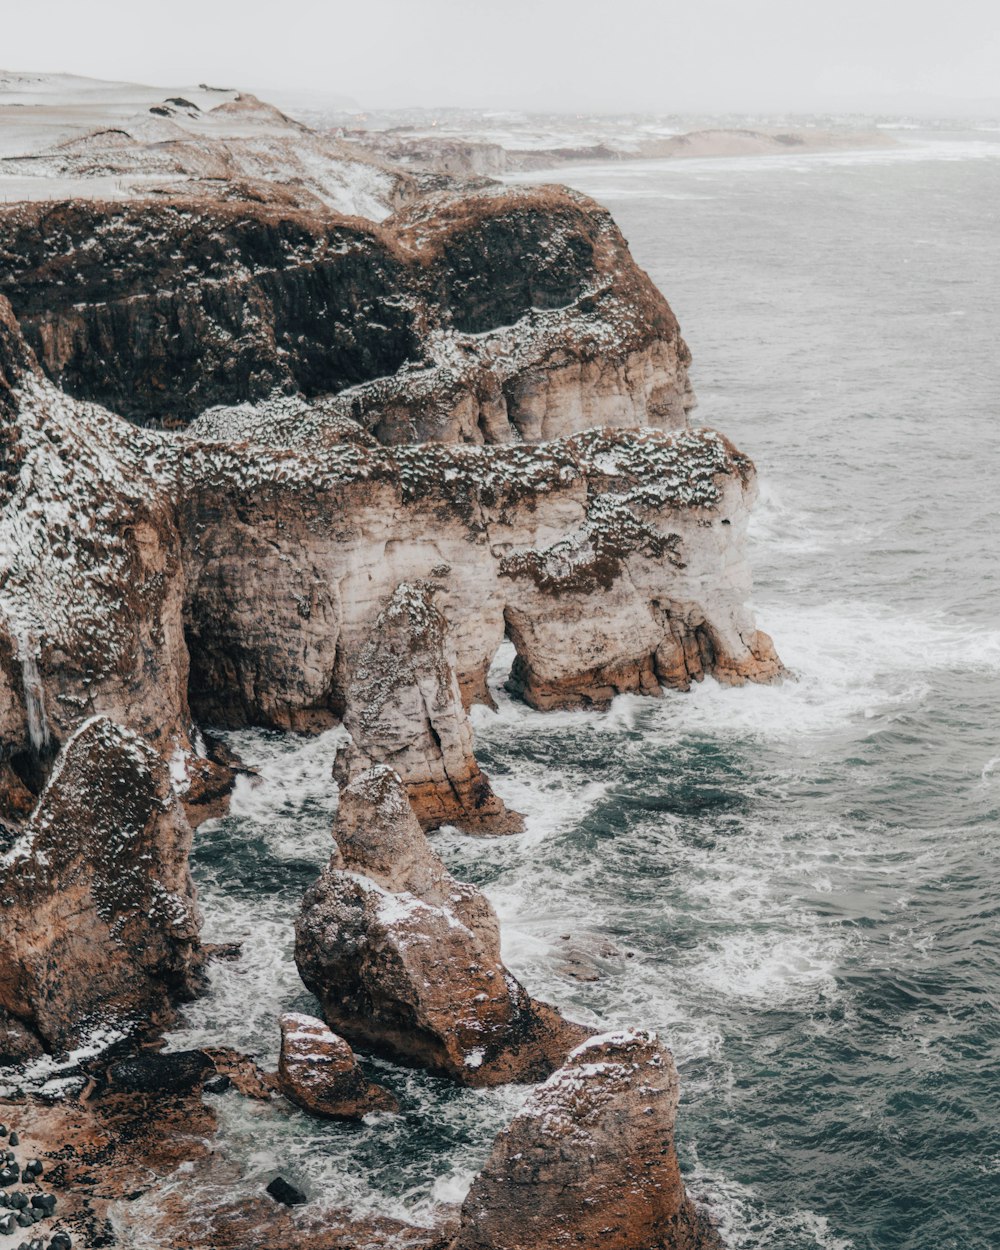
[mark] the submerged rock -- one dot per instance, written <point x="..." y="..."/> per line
<point x="589" y="1161"/>
<point x="406" y="961"/>
<point x="100" y="929"/>
<point x="318" y="1071"/>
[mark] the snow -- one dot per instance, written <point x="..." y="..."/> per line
<point x="68" y="137"/>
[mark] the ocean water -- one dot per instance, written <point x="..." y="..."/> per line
<point x="797" y="886"/>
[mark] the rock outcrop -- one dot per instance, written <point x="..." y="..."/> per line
<point x="613" y="560"/>
<point x="319" y="1071"/>
<point x="495" y="316"/>
<point x="406" y="961"/>
<point x="100" y="930"/>
<point x="403" y="707"/>
<point x="589" y="1161"/>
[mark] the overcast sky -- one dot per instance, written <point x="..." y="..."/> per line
<point x="552" y="54"/>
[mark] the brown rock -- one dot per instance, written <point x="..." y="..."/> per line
<point x="318" y="1071"/>
<point x="404" y="708"/>
<point x="417" y="977"/>
<point x="142" y="1168"/>
<point x="100" y="927"/>
<point x="589" y="1161"/>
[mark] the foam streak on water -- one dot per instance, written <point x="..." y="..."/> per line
<point x="797" y="884"/>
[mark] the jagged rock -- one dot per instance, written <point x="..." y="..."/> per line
<point x="406" y="961"/>
<point x="589" y="1161"/>
<point x="318" y="1071"/>
<point x="100" y="929"/>
<point x="403" y="707"/>
<point x="498" y="315"/>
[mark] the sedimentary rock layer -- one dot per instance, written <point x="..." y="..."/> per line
<point x="494" y="316"/>
<point x="613" y="559"/>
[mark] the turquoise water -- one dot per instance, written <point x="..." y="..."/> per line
<point x="798" y="885"/>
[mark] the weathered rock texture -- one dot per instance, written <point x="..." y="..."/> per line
<point x="403" y="707"/>
<point x="496" y="316"/>
<point x="143" y="1169"/>
<point x="589" y="1161"/>
<point x="406" y="961"/>
<point x="615" y="561"/>
<point x="99" y="926"/>
<point x="319" y="1071"/>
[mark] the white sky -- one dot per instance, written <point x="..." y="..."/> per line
<point x="550" y="54"/>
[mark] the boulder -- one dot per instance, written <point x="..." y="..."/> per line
<point x="319" y="1071"/>
<point x="589" y="1161"/>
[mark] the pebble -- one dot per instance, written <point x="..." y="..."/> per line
<point x="14" y="1139"/>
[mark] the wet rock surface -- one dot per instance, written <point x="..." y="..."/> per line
<point x="590" y="1161"/>
<point x="319" y="1071"/>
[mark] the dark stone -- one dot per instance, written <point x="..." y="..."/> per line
<point x="281" y="1191"/>
<point x="178" y="1072"/>
<point x="217" y="1084"/>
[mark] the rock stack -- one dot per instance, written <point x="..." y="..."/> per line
<point x="406" y="961"/>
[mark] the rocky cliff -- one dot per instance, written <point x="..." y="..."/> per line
<point x="501" y="316"/>
<point x="427" y="441"/>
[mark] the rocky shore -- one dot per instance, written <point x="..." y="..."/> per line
<point x="276" y="467"/>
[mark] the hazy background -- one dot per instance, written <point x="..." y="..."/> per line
<point x="607" y="55"/>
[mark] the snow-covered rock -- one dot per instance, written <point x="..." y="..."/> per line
<point x="319" y="1071"/>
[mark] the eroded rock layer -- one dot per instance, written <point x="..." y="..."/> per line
<point x="494" y="316"/>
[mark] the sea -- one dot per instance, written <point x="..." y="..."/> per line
<point x="796" y="886"/>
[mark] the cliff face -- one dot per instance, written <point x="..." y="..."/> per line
<point x="502" y="316"/>
<point x="613" y="560"/>
<point x="288" y="562"/>
<point x="315" y="576"/>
